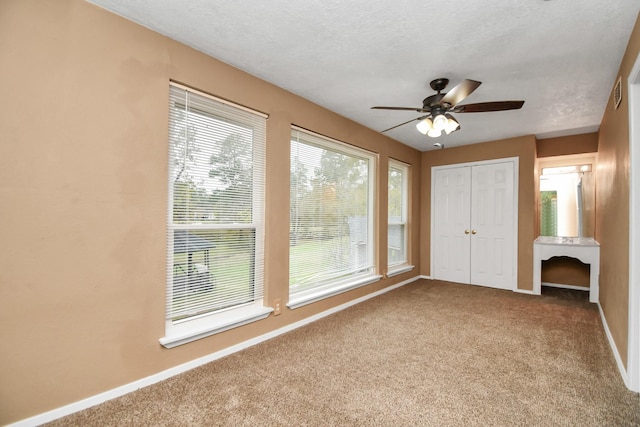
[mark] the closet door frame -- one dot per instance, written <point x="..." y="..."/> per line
<point x="515" y="161"/>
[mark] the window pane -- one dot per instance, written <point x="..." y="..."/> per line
<point x="396" y="196"/>
<point x="211" y="168"/>
<point x="549" y="213"/>
<point x="212" y="270"/>
<point x="330" y="223"/>
<point x="396" y="244"/>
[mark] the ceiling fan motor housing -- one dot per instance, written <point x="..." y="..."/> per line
<point x="432" y="101"/>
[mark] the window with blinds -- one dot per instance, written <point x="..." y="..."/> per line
<point x="331" y="224"/>
<point x="397" y="214"/>
<point x="215" y="226"/>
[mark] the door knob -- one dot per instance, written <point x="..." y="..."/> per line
<point x="473" y="231"/>
<point x="466" y="231"/>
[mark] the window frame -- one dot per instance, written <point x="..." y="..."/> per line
<point x="326" y="289"/>
<point x="182" y="331"/>
<point x="403" y="265"/>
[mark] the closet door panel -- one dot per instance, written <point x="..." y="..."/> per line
<point x="451" y="224"/>
<point x="492" y="225"/>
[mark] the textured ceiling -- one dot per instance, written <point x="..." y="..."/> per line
<point x="560" y="56"/>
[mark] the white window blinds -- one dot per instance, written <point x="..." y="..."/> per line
<point x="331" y="224"/>
<point x="397" y="214"/>
<point x="215" y="226"/>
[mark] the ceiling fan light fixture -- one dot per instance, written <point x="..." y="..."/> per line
<point x="436" y="108"/>
<point x="440" y="122"/>
<point x="424" y="126"/>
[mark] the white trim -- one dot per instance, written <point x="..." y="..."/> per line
<point x="195" y="329"/>
<point x="516" y="191"/>
<point x="614" y="349"/>
<point x="394" y="271"/>
<point x="524" y="291"/>
<point x="516" y="213"/>
<point x="563" y="286"/>
<point x="176" y="370"/>
<point x="633" y="354"/>
<point x="426" y="277"/>
<point x="309" y="298"/>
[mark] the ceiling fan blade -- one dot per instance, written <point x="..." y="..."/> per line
<point x="419" y="110"/>
<point x="408" y="121"/>
<point x="482" y="107"/>
<point x="460" y="92"/>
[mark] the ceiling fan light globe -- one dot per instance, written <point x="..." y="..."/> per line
<point x="434" y="133"/>
<point x="452" y="125"/>
<point x="424" y="126"/>
<point x="440" y="122"/>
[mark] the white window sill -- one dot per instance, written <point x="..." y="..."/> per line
<point x="179" y="333"/>
<point x="394" y="271"/>
<point x="311" y="297"/>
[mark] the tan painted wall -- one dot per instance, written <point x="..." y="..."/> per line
<point x="523" y="148"/>
<point x="612" y="205"/>
<point x="567" y="145"/>
<point x="565" y="271"/>
<point x="83" y="160"/>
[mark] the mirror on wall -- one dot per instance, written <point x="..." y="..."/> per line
<point x="567" y="196"/>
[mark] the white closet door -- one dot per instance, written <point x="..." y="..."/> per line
<point x="451" y="216"/>
<point x="492" y="225"/>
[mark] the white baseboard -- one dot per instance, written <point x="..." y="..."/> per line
<point x="161" y="376"/>
<point x="614" y="349"/>
<point x="425" y="277"/>
<point x="524" y="291"/>
<point x="563" y="286"/>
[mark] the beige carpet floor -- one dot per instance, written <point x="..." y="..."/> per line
<point x="427" y="354"/>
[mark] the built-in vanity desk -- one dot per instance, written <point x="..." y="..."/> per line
<point x="586" y="249"/>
